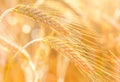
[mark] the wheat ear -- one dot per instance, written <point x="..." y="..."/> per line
<point x="64" y="47"/>
<point x="41" y="16"/>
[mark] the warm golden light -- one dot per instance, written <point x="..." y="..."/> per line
<point x="59" y="40"/>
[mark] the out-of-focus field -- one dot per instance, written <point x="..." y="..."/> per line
<point x="21" y="61"/>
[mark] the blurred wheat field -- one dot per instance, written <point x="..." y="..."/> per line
<point x="59" y="41"/>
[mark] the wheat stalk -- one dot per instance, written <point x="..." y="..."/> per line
<point x="24" y="53"/>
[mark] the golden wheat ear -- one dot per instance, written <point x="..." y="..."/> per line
<point x="65" y="47"/>
<point x="41" y="16"/>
